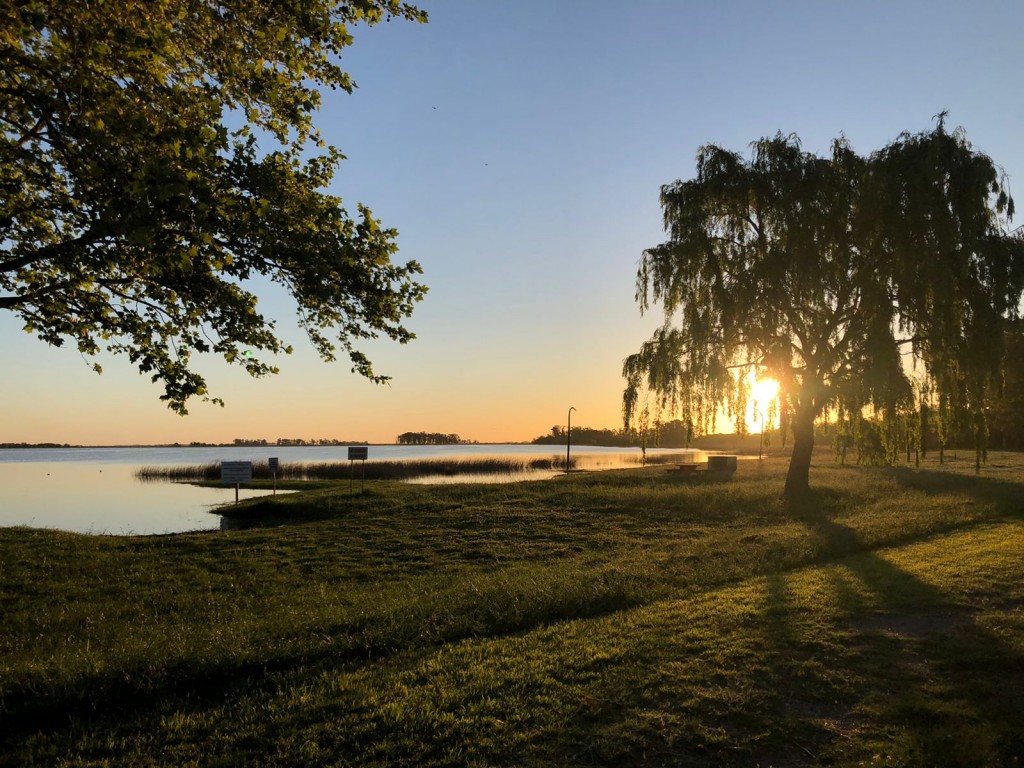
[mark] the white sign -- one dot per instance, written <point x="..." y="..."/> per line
<point x="232" y="472"/>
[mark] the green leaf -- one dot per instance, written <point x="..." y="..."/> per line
<point x="142" y="225"/>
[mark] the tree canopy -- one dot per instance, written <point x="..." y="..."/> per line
<point x="853" y="281"/>
<point x="132" y="213"/>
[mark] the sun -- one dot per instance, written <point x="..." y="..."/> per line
<point x="762" y="393"/>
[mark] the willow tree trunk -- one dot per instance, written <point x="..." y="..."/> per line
<point x="798" y="477"/>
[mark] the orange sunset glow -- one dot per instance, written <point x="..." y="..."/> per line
<point x="761" y="416"/>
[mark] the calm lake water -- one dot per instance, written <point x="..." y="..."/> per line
<point x="94" y="490"/>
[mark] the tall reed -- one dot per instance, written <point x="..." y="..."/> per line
<point x="401" y="469"/>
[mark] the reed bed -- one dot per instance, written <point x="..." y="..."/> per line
<point x="398" y="469"/>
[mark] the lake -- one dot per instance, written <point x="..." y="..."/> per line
<point x="94" y="490"/>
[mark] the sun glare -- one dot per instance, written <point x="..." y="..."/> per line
<point x="762" y="393"/>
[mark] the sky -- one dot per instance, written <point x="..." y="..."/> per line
<point x="519" y="147"/>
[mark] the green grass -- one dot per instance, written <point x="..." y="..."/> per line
<point x="626" y="617"/>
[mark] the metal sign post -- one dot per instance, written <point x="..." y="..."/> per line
<point x="273" y="471"/>
<point x="357" y="453"/>
<point x="568" y="440"/>
<point x="235" y="473"/>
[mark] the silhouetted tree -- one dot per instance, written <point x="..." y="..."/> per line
<point x="1005" y="415"/>
<point x="821" y="272"/>
<point x="587" y="436"/>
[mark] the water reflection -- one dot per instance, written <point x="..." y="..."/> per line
<point x="87" y="498"/>
<point x="95" y="490"/>
<point x="587" y="462"/>
<point x="485" y="477"/>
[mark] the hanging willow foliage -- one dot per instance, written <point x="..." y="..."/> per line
<point x="828" y="274"/>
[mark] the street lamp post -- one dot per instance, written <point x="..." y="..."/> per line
<point x="568" y="440"/>
<point x="760" y="435"/>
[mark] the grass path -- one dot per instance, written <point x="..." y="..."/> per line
<point x="611" y="619"/>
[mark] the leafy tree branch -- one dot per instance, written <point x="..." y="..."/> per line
<point x="132" y="215"/>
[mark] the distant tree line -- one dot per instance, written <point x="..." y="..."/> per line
<point x="428" y="438"/>
<point x="35" y="445"/>
<point x="586" y="436"/>
<point x="295" y="441"/>
<point x="669" y="434"/>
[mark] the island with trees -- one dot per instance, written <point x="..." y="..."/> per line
<point x="428" y="438"/>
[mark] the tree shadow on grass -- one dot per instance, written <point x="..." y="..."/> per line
<point x="940" y="688"/>
<point x="993" y="489"/>
<point x="894" y="670"/>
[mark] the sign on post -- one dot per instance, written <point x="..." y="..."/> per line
<point x="235" y="473"/>
<point x="357" y="453"/>
<point x="232" y="472"/>
<point x="273" y="471"/>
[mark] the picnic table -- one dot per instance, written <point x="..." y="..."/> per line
<point x="716" y="465"/>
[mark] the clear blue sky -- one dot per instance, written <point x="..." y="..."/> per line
<point x="519" y="146"/>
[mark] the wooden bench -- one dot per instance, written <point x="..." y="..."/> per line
<point x="687" y="469"/>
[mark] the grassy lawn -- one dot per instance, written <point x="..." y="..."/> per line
<point x="626" y="617"/>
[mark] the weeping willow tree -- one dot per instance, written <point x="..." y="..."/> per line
<point x="837" y="276"/>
